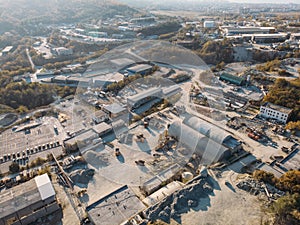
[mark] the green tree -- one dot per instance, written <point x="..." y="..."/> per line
<point x="286" y="210"/>
<point x="14" y="167"/>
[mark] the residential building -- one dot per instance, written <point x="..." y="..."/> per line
<point x="25" y="203"/>
<point x="280" y="113"/>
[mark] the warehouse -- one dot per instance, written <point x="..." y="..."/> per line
<point x="143" y="97"/>
<point x="213" y="132"/>
<point x="207" y="148"/>
<point x="25" y="203"/>
<point x="237" y="80"/>
<point x="115" y="208"/>
<point x="142" y="69"/>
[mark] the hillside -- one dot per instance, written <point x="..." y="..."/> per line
<point x="18" y="14"/>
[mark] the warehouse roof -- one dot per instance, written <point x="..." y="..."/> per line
<point x="114" y="108"/>
<point x="232" y="78"/>
<point x="150" y="92"/>
<point x="24" y="195"/>
<point x="102" y="128"/>
<point x="116" y="207"/>
<point x="207" y="148"/>
<point x="139" y="68"/>
<point x="215" y="133"/>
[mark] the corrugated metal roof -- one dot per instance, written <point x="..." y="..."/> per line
<point x="207" y="129"/>
<point x="210" y="150"/>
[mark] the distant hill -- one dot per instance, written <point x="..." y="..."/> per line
<point x="31" y="12"/>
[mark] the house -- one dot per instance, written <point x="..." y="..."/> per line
<point x="25" y="203"/>
<point x="272" y="111"/>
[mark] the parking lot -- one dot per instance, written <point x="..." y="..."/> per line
<point x="19" y="145"/>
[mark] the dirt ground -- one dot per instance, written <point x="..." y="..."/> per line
<point x="229" y="205"/>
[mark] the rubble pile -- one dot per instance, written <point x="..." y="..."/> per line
<point x="256" y="187"/>
<point x="180" y="201"/>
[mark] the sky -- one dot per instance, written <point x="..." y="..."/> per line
<point x="267" y="1"/>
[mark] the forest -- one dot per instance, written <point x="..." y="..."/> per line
<point x="286" y="93"/>
<point x="286" y="209"/>
<point x="22" y="96"/>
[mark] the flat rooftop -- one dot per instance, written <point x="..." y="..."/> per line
<point x="24" y="195"/>
<point x="140" y="68"/>
<point x="102" y="128"/>
<point x="277" y="107"/>
<point x="116" y="207"/>
<point x="114" y="108"/>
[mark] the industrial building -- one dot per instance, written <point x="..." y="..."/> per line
<point x="239" y="30"/>
<point x="143" y="97"/>
<point x="83" y="139"/>
<point x="142" y="69"/>
<point x="63" y="51"/>
<point x="100" y="116"/>
<point x="115" y="208"/>
<point x="7" y="50"/>
<point x="114" y="110"/>
<point x="102" y="128"/>
<point x="209" y="24"/>
<point x="237" y="80"/>
<point x="272" y="111"/>
<point x="269" y="38"/>
<point x="212" y="143"/>
<point x="27" y="202"/>
<point x="198" y="143"/>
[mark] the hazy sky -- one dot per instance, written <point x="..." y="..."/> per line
<point x="267" y="1"/>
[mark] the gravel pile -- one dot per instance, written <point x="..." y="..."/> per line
<point x="82" y="176"/>
<point x="96" y="159"/>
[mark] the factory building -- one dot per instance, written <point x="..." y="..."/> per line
<point x="27" y="202"/>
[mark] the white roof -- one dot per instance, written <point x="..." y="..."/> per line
<point x="44" y="186"/>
